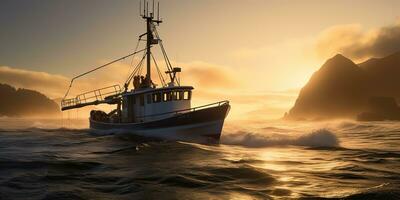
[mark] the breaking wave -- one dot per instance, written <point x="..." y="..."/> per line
<point x="318" y="138"/>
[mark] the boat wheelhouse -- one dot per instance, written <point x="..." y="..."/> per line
<point x="146" y="108"/>
<point x="152" y="104"/>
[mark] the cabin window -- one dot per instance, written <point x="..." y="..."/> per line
<point x="149" y="99"/>
<point x="156" y="97"/>
<point x="176" y="95"/>
<point x="180" y="95"/>
<point x="141" y="100"/>
<point x="167" y="96"/>
<point x="187" y="95"/>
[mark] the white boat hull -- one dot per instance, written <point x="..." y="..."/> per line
<point x="200" y="124"/>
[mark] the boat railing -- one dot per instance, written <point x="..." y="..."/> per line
<point x="216" y="104"/>
<point x="91" y="96"/>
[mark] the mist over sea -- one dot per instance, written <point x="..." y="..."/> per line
<point x="52" y="159"/>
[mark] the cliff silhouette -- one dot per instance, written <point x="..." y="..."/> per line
<point x="343" y="89"/>
<point x="25" y="103"/>
<point x="380" y="108"/>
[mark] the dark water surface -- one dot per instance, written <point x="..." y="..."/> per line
<point x="271" y="160"/>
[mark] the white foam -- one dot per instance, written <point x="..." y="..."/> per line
<point x="318" y="138"/>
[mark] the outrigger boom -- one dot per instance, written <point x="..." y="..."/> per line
<point x="107" y="95"/>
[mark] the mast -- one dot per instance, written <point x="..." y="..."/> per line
<point x="149" y="17"/>
<point x="148" y="53"/>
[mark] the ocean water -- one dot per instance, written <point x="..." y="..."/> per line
<point x="46" y="159"/>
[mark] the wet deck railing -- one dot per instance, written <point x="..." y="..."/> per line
<point x="92" y="96"/>
<point x="216" y="104"/>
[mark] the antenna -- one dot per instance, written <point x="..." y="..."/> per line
<point x="153" y="8"/>
<point x="147" y="8"/>
<point x="146" y="13"/>
<point x="144" y="8"/>
<point x="158" y="11"/>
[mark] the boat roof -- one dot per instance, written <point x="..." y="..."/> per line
<point x="151" y="90"/>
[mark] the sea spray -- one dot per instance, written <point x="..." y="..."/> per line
<point x="317" y="138"/>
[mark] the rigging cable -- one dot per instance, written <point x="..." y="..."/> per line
<point x="133" y="57"/>
<point x="97" y="68"/>
<point x="140" y="68"/>
<point x="158" y="71"/>
<point x="167" y="62"/>
<point x="135" y="70"/>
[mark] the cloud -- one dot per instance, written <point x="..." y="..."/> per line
<point x="352" y="41"/>
<point x="199" y="74"/>
<point x="54" y="85"/>
<point x="49" y="84"/>
<point x="205" y="75"/>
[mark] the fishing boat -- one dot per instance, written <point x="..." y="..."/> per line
<point x="148" y="109"/>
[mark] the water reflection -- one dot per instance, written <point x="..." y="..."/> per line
<point x="279" y="161"/>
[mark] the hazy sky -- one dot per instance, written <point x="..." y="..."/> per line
<point x="266" y="45"/>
